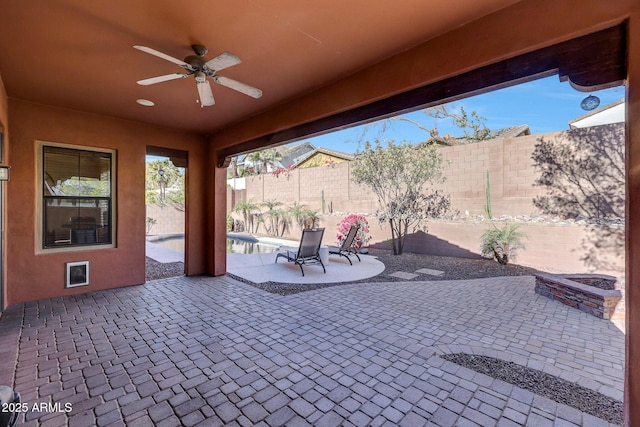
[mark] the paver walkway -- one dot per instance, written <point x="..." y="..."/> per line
<point x="214" y="351"/>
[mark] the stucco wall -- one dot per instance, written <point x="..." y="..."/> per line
<point x="32" y="275"/>
<point x="4" y="128"/>
<point x="3" y="106"/>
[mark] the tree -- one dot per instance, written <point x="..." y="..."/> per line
<point x="283" y="221"/>
<point x="472" y="125"/>
<point x="273" y="214"/>
<point x="163" y="175"/>
<point x="403" y="178"/>
<point x="584" y="177"/>
<point x="263" y="158"/>
<point x="303" y="216"/>
<point x="232" y="169"/>
<point x="247" y="209"/>
<point x="583" y="173"/>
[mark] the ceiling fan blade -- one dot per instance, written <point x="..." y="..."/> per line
<point x="160" y="79"/>
<point x="164" y="56"/>
<point x="236" y="85"/>
<point x="222" y="61"/>
<point x="205" y="93"/>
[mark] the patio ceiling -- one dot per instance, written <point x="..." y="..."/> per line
<point x="79" y="55"/>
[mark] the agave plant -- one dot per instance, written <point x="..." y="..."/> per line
<point x="502" y="243"/>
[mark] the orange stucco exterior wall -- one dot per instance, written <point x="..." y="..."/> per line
<point x="3" y="106"/>
<point x="4" y="118"/>
<point x="523" y="27"/>
<point x="632" y="371"/>
<point x="33" y="275"/>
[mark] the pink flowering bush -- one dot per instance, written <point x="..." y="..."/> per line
<point x="281" y="171"/>
<point x="362" y="237"/>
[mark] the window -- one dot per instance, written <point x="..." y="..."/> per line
<point x="77" y="197"/>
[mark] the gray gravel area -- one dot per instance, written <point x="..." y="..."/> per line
<point x="453" y="268"/>
<point x="543" y="384"/>
<point x="159" y="270"/>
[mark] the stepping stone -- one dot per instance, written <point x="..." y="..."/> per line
<point x="430" y="272"/>
<point x="404" y="275"/>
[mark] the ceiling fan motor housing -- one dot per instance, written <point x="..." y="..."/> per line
<point x="198" y="61"/>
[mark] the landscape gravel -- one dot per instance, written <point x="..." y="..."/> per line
<point x="159" y="270"/>
<point x="543" y="384"/>
<point x="453" y="268"/>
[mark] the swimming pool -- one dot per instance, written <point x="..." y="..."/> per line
<point x="240" y="246"/>
<point x="234" y="246"/>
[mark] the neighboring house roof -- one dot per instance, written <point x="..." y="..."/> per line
<point x="611" y="113"/>
<point x="291" y="154"/>
<point x="512" y="132"/>
<point x="504" y="133"/>
<point x="332" y="153"/>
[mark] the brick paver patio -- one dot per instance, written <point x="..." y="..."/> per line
<point x="214" y="351"/>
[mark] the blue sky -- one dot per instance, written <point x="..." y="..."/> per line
<point x="546" y="105"/>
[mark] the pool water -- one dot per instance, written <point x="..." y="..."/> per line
<point x="173" y="242"/>
<point x="234" y="246"/>
<point x="237" y="246"/>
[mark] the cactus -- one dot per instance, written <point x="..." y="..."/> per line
<point x="323" y="203"/>
<point x="487" y="207"/>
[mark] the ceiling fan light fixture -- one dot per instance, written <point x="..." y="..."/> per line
<point x="200" y="77"/>
<point x="145" y="102"/>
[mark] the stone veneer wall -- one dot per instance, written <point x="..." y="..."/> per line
<point x="566" y="289"/>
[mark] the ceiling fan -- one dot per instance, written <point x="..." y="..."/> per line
<point x="201" y="68"/>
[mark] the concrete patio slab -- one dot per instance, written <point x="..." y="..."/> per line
<point x="404" y="275"/>
<point x="430" y="272"/>
<point x="162" y="254"/>
<point x="214" y="351"/>
<point x="261" y="268"/>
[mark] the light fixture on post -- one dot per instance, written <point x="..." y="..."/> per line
<point x="162" y="185"/>
<point x="4" y="172"/>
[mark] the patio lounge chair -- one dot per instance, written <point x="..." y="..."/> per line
<point x="309" y="250"/>
<point x="346" y="249"/>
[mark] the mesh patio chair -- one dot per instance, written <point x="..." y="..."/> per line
<point x="346" y="249"/>
<point x="309" y="250"/>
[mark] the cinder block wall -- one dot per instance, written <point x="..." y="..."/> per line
<point x="169" y="218"/>
<point x="511" y="176"/>
<point x="553" y="246"/>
